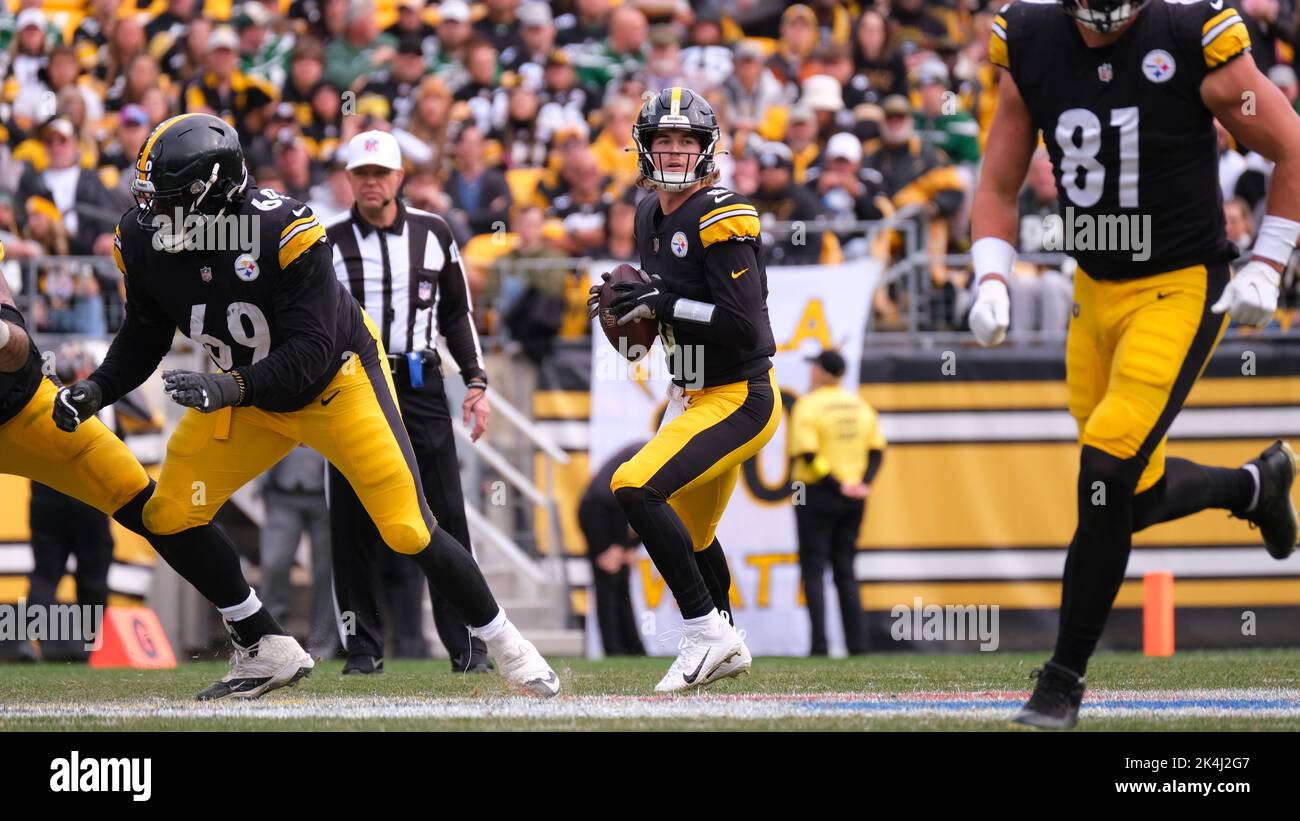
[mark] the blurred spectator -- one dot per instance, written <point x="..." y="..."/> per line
<point x="847" y="191"/>
<point x="29" y="54"/>
<point x="500" y="26"/>
<point x="913" y="21"/>
<point x="528" y="291"/>
<point x="454" y="34"/>
<point x="481" y="91"/>
<point x="120" y="154"/>
<point x="1240" y="226"/>
<point x="610" y="147"/>
<point x="663" y="67"/>
<point x="564" y="102"/>
<point x="620" y="228"/>
<point x="1284" y="77"/>
<point x="293" y="496"/>
<point x="706" y="62"/>
<point x="333" y="196"/>
<point x="478" y="191"/>
<point x="757" y="18"/>
<point x="795" y="46"/>
<point x="80" y="198"/>
<point x="72" y="301"/>
<point x="362" y="48"/>
<point x="411" y="23"/>
<point x="780" y="199"/>
<point x="822" y="93"/>
<point x="612" y="547"/>
<point x="801" y="137"/>
<point x="392" y="88"/>
<point x="171" y="21"/>
<point x="587" y="26"/>
<point x="125" y="40"/>
<point x="836" y="61"/>
<point x="536" y="41"/>
<point x="940" y="123"/>
<point x="244" y="102"/>
<point x="1261" y="19"/>
<point x="583" y="207"/>
<point x="876" y="60"/>
<point x="913" y="174"/>
<point x="1041" y="295"/>
<point x="757" y="100"/>
<point x="294" y="165"/>
<point x="523" y="142"/>
<point x="623" y="52"/>
<point x="430" y="127"/>
<point x="188" y="54"/>
<point x="263" y="53"/>
<point x="141" y="74"/>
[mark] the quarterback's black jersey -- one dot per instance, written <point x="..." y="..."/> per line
<point x="707" y="252"/>
<point x="18" y="387"/>
<point x="1132" y="143"/>
<point x="276" y="313"/>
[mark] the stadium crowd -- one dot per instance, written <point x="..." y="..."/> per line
<point x="514" y="121"/>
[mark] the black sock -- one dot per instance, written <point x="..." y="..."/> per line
<point x="717" y="577"/>
<point x="1098" y="555"/>
<point x="203" y="556"/>
<point x="1188" y="487"/>
<point x="669" y="545"/>
<point x="250" y="630"/>
<point x="452" y="571"/>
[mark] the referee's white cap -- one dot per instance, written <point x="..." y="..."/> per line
<point x="374" y="148"/>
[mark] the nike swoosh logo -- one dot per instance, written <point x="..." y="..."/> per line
<point x="722" y="197"/>
<point x="738" y="274"/>
<point x="325" y="402"/>
<point x="297" y="212"/>
<point x="649" y="294"/>
<point x="693" y="676"/>
<point x="1216" y="4"/>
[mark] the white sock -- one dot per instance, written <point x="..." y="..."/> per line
<point x="708" y="622"/>
<point x="492" y="629"/>
<point x="243" y="610"/>
<point x="1253" y="470"/>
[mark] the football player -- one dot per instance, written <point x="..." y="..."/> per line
<point x="94" y="466"/>
<point x="299" y="362"/>
<point x="1125" y="93"/>
<point x="707" y="290"/>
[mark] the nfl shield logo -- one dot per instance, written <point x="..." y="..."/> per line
<point x="425" y="291"/>
<point x="205" y="273"/>
<point x="372" y="145"/>
<point x="1105" y="73"/>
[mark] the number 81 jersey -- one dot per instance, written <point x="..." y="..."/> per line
<point x="244" y="285"/>
<point x="1132" y="144"/>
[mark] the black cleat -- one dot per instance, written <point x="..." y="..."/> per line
<point x="474" y="663"/>
<point x="363" y="666"/>
<point x="1055" y="702"/>
<point x="1274" y="514"/>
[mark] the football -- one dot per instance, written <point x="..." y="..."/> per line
<point x="634" y="339"/>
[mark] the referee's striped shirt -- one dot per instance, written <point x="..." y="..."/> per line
<point x="408" y="278"/>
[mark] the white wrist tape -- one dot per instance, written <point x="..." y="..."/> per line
<point x="4" y="333"/>
<point x="1277" y="239"/>
<point x="992" y="255"/>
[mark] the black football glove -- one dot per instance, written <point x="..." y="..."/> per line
<point x="593" y="301"/>
<point x="76" y="404"/>
<point x="641" y="300"/>
<point x="205" y="391"/>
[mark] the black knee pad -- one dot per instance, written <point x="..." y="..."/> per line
<point x="131" y="514"/>
<point x="1101" y="472"/>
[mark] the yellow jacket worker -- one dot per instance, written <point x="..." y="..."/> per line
<point x="836" y="448"/>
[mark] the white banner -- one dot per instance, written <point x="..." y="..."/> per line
<point x="810" y="307"/>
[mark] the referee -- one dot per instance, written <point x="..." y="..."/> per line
<point x="403" y="266"/>
<point x="836" y="448"/>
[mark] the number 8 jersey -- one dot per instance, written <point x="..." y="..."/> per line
<point x="260" y="280"/>
<point x="1133" y="145"/>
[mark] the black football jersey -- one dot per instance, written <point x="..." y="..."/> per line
<point x="689" y="250"/>
<point x="18" y="387"/>
<point x="1132" y="143"/>
<point x="242" y="303"/>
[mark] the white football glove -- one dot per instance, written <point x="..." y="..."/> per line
<point x="991" y="314"/>
<point x="1251" y="295"/>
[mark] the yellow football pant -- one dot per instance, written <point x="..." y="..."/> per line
<point x="694" y="460"/>
<point x="1134" y="350"/>
<point x="90" y="464"/>
<point x="354" y="423"/>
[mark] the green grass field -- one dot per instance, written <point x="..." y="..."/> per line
<point x="1238" y="690"/>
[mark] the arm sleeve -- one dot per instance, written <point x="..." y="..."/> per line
<point x="737" y="289"/>
<point x="874" y="460"/>
<point x="306" y="305"/>
<point x="456" y="312"/>
<point x="144" y="339"/>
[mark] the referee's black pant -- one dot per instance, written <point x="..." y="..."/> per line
<point x="362" y="563"/>
<point x="828" y="524"/>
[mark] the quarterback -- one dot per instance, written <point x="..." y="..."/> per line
<point x="1125" y="93"/>
<point x="298" y="361"/>
<point x="707" y="289"/>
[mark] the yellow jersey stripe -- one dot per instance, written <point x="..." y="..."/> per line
<point x="153" y="138"/>
<point x="998" y="52"/>
<point x="727" y="209"/>
<point x="288" y="229"/>
<point x="300" y="243"/>
<point x="117" y="250"/>
<point x="1225" y="41"/>
<point x="1217" y="19"/>
<point x="741" y="226"/>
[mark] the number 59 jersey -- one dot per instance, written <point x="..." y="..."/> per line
<point x="1132" y="144"/>
<point x="258" y="281"/>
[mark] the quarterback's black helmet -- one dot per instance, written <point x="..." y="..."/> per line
<point x="1103" y="16"/>
<point x="193" y="162"/>
<point x="679" y="109"/>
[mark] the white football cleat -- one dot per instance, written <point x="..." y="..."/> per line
<point x="268" y="664"/>
<point x="706" y="654"/>
<point x="521" y="665"/>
